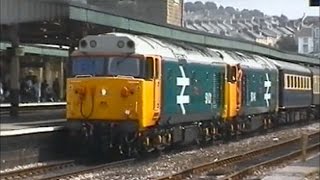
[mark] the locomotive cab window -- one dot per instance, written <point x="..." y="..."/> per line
<point x="93" y="66"/>
<point x="124" y="66"/>
<point x="108" y="66"/>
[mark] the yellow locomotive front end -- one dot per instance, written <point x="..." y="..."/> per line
<point x="111" y="99"/>
<point x="113" y="93"/>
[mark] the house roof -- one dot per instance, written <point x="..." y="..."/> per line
<point x="304" y="32"/>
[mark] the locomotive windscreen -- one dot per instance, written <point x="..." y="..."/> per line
<point x="108" y="66"/>
<point x="88" y="66"/>
<point x="124" y="66"/>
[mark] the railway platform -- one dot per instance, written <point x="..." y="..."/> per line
<point x="23" y="128"/>
<point x="31" y="141"/>
<point x="33" y="118"/>
<point x="297" y="170"/>
<point x="34" y="136"/>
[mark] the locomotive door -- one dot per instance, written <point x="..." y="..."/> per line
<point x="233" y="91"/>
<point x="156" y="78"/>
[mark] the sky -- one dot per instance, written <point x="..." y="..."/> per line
<point x="293" y="9"/>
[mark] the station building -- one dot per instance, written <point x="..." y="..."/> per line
<point x="154" y="11"/>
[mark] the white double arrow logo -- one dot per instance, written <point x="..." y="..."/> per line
<point x="184" y="82"/>
<point x="267" y="84"/>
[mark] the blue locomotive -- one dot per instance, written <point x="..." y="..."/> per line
<point x="137" y="92"/>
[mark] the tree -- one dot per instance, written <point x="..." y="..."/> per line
<point x="287" y="43"/>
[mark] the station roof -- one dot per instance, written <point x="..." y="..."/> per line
<point x="64" y="23"/>
<point x="38" y="50"/>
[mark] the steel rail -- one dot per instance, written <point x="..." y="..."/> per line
<point x="207" y="167"/>
<point x="272" y="162"/>
<point x="38" y="170"/>
<point x="72" y="174"/>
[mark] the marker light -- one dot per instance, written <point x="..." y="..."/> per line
<point x="103" y="92"/>
<point x="125" y="92"/>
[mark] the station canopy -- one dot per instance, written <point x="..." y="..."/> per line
<point x="65" y="22"/>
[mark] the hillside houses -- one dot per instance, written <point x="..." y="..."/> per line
<point x="254" y="26"/>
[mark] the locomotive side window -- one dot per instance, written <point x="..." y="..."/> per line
<point x="149" y="73"/>
<point x="157" y="68"/>
<point x="231" y="73"/>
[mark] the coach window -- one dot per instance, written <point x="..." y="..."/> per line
<point x="298" y="79"/>
<point x="291" y="82"/>
<point x="300" y="82"/>
<point x="306" y="85"/>
<point x="309" y="83"/>
<point x="287" y="81"/>
<point x="303" y="82"/>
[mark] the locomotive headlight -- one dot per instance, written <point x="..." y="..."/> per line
<point x="93" y="43"/>
<point x="103" y="92"/>
<point x="120" y="44"/>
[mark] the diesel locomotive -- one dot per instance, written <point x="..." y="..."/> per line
<point x="138" y="93"/>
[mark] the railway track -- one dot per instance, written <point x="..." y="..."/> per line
<point x="61" y="170"/>
<point x="272" y="162"/>
<point x="232" y="167"/>
<point x="35" y="171"/>
<point x="74" y="173"/>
